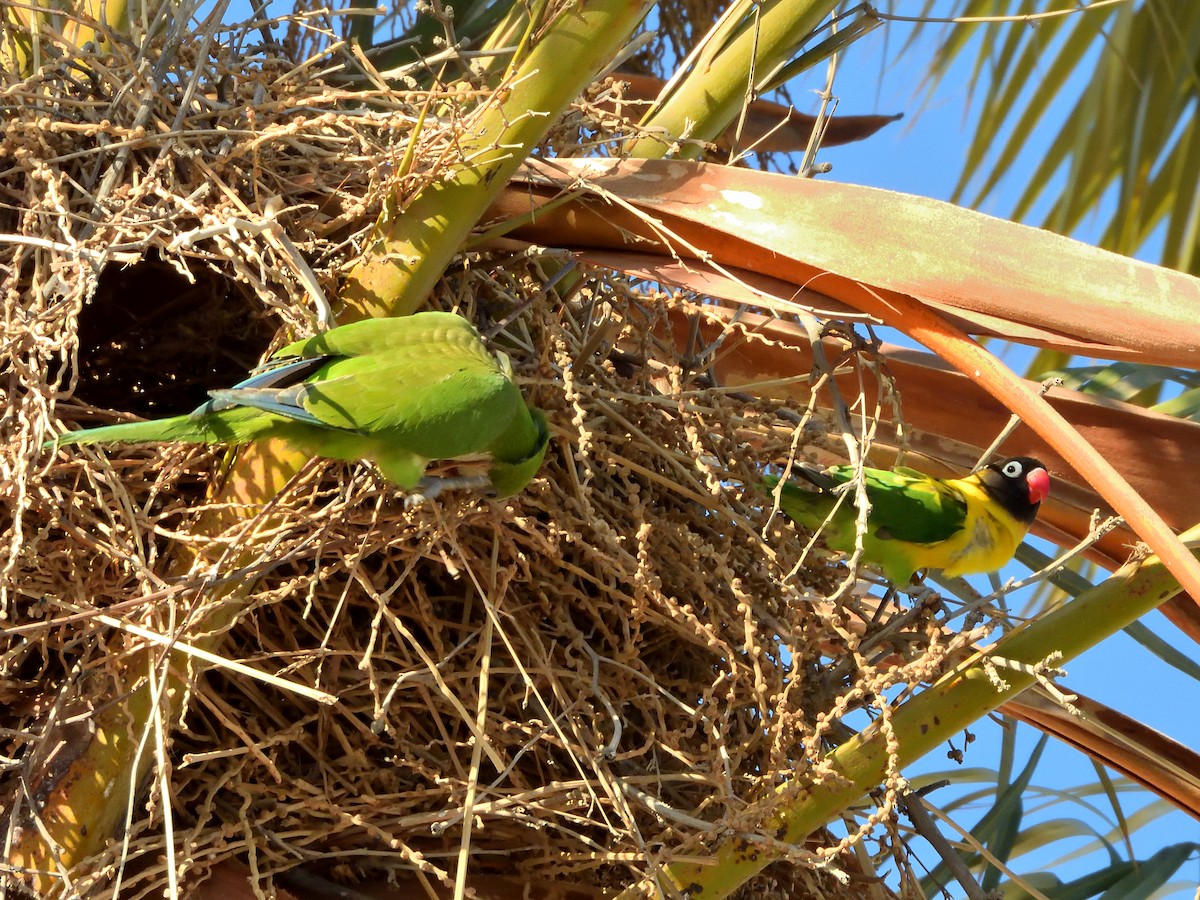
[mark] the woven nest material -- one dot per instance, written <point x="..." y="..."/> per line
<point x="607" y="673"/>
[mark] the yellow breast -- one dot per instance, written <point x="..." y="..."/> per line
<point x="987" y="541"/>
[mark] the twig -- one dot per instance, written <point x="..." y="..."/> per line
<point x="173" y="643"/>
<point x="1013" y="421"/>
<point x="913" y="806"/>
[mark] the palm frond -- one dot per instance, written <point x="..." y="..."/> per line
<point x="1127" y="150"/>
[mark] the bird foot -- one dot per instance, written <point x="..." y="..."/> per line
<point x="431" y="486"/>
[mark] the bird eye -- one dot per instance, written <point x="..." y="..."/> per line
<point x="1012" y="469"/>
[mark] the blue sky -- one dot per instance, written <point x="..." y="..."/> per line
<point x="924" y="154"/>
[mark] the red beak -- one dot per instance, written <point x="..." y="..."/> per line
<point x="1038" y="482"/>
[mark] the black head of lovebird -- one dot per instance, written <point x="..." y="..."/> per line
<point x="1018" y="485"/>
<point x="959" y="525"/>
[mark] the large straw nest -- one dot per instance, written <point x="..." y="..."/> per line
<point x="606" y="673"/>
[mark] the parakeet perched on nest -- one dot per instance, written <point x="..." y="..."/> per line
<point x="400" y="392"/>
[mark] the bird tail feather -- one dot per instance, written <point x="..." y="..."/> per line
<point x="224" y="426"/>
<point x="808" y="508"/>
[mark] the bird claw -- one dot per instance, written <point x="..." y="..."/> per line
<point x="431" y="486"/>
<point x="427" y="489"/>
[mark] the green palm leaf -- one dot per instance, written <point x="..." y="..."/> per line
<point x="1128" y="149"/>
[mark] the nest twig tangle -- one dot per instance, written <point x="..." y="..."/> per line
<point x="608" y="673"/>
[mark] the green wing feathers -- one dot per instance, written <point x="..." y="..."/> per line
<point x="910" y="506"/>
<point x="438" y="405"/>
<point x="423" y="334"/>
<point x="805" y="507"/>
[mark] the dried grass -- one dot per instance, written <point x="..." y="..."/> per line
<point x="607" y="673"/>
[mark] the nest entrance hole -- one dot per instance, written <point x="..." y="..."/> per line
<point x="153" y="343"/>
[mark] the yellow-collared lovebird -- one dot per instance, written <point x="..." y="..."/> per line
<point x="400" y="392"/>
<point x="958" y="525"/>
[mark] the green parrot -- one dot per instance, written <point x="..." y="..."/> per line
<point x="400" y="392"/>
<point x="959" y="525"/>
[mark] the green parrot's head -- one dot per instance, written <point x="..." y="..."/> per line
<point x="509" y="477"/>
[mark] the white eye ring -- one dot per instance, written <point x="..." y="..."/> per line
<point x="1012" y="469"/>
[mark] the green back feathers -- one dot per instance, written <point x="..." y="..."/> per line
<point x="910" y="505"/>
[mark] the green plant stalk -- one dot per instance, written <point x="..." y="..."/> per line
<point x="959" y="698"/>
<point x="507" y="34"/>
<point x="414" y="244"/>
<point x="20" y="29"/>
<point x="113" y="14"/>
<point x="838" y="41"/>
<point x="88" y="791"/>
<point x="19" y="34"/>
<point x="707" y="100"/>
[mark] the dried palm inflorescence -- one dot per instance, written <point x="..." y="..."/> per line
<point x="608" y="672"/>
